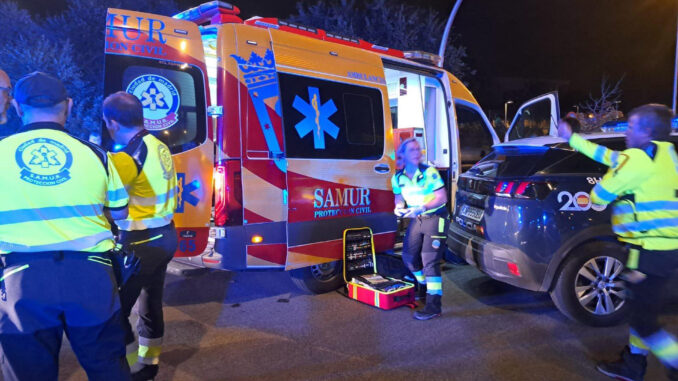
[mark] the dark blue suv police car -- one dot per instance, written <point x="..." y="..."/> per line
<point x="523" y="215"/>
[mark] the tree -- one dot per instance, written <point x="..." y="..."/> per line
<point x="385" y="23"/>
<point x="603" y="108"/>
<point x="69" y="45"/>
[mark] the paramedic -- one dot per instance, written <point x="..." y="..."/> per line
<point x="642" y="185"/>
<point x="420" y="188"/>
<point x="146" y="169"/>
<point x="55" y="273"/>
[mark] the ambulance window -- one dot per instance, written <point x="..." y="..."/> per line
<point x="533" y="120"/>
<point x="331" y="120"/>
<point x="475" y="139"/>
<point x="359" y="129"/>
<point x="173" y="97"/>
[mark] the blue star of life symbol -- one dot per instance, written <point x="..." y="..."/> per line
<point x="44" y="157"/>
<point x="316" y="118"/>
<point x="153" y="98"/>
<point x="186" y="192"/>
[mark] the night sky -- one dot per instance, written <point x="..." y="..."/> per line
<point x="574" y="42"/>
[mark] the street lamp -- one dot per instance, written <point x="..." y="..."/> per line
<point x="446" y="33"/>
<point x="506" y="112"/>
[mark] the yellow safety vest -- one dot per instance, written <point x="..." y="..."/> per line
<point x="643" y="187"/>
<point x="420" y="189"/>
<point x="147" y="171"/>
<point x="54" y="191"/>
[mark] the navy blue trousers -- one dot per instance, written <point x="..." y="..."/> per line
<point x="44" y="295"/>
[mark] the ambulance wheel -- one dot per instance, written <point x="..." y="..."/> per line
<point x="319" y="279"/>
<point x="588" y="289"/>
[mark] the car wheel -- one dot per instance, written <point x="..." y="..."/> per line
<point x="588" y="288"/>
<point x="319" y="279"/>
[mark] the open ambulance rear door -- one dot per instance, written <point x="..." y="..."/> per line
<point x="161" y="61"/>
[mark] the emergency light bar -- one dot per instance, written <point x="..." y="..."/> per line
<point x="423" y="57"/>
<point x="213" y="12"/>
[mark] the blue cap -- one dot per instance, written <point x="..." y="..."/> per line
<point x="39" y="90"/>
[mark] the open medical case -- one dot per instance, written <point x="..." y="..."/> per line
<point x="362" y="277"/>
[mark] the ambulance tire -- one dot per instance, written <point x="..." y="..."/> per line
<point x="319" y="279"/>
<point x="570" y="276"/>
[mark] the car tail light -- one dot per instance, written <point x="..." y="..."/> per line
<point x="228" y="194"/>
<point x="513" y="268"/>
<point x="523" y="189"/>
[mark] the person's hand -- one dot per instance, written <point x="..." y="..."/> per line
<point x="400" y="211"/>
<point x="413" y="212"/>
<point x="564" y="131"/>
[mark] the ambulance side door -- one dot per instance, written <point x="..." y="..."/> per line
<point x="337" y="146"/>
<point x="161" y="61"/>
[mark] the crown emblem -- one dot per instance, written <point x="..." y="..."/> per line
<point x="258" y="70"/>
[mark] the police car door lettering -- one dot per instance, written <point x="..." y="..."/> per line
<point x="594" y="180"/>
<point x="579" y="202"/>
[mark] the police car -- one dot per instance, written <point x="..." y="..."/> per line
<point x="524" y="216"/>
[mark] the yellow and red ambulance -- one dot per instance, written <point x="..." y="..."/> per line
<point x="282" y="135"/>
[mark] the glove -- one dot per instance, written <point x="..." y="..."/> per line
<point x="413" y="212"/>
<point x="399" y="211"/>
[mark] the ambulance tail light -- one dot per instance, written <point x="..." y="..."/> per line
<point x="228" y="209"/>
<point x="523" y="189"/>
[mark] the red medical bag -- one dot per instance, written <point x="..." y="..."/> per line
<point x="362" y="277"/>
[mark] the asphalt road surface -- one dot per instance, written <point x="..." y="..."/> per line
<point x="258" y="326"/>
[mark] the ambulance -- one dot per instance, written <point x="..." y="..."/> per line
<point x="284" y="135"/>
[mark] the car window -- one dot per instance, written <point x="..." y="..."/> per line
<point x="533" y="120"/>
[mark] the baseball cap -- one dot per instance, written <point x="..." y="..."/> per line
<point x="39" y="89"/>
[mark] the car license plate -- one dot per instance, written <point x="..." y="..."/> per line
<point x="472" y="213"/>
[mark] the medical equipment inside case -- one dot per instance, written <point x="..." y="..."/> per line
<point x="364" y="282"/>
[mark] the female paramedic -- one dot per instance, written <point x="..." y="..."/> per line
<point x="421" y="188"/>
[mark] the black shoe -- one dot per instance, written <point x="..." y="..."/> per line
<point x="629" y="367"/>
<point x="672" y="373"/>
<point x="431" y="310"/>
<point x="148" y="372"/>
<point x="421" y="292"/>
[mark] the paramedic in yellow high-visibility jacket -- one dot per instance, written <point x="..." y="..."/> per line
<point x="146" y="168"/>
<point x="642" y="186"/>
<point x="56" y="273"/>
<point x="423" y="191"/>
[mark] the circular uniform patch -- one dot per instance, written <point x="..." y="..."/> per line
<point x="166" y="162"/>
<point x="435" y="244"/>
<point x="44" y="162"/>
<point x="160" y="99"/>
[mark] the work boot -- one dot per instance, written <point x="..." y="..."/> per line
<point x="431" y="309"/>
<point x="147" y="372"/>
<point x="629" y="367"/>
<point x="421" y="292"/>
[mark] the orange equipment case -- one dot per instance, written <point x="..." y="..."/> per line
<point x="360" y="260"/>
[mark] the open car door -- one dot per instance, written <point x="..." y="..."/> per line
<point x="536" y="117"/>
<point x="162" y="62"/>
